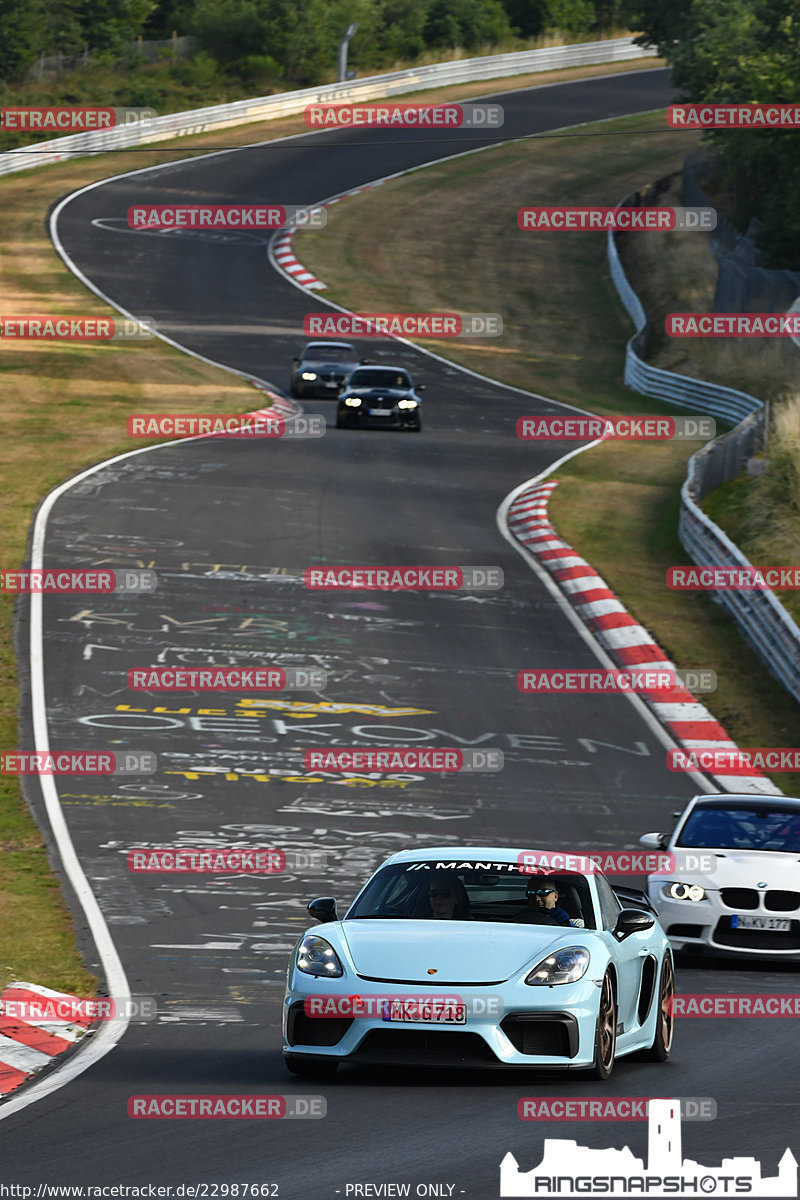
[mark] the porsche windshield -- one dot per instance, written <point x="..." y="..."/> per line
<point x="474" y="892"/>
<point x="380" y="378"/>
<point x="754" y="827"/>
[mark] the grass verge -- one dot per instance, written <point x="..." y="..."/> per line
<point x="564" y="335"/>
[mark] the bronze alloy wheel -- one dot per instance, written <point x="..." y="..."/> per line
<point x="607" y="1026"/>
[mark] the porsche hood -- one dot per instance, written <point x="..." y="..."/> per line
<point x="455" y="952"/>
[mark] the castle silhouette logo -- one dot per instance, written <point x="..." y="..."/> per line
<point x="568" y="1169"/>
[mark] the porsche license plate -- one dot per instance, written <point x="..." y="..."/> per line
<point x="776" y="924"/>
<point x="439" y="1012"/>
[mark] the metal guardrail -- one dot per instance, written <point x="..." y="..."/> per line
<point x="760" y="616"/>
<point x="270" y="108"/>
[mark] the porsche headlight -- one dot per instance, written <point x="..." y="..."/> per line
<point x="309" y="375"/>
<point x="315" y="956"/>
<point x="684" y="891"/>
<point x="562" y="966"/>
<point x="353" y="401"/>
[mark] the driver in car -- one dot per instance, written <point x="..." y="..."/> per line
<point x="543" y="899"/>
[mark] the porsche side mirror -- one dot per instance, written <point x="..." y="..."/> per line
<point x="632" y="920"/>
<point x="323" y="909"/>
<point x="420" y="387"/>
<point x="365" y="362"/>
<point x="653" y="841"/>
<point x="296" y="358"/>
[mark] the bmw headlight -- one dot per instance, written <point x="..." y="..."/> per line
<point x="562" y="966"/>
<point x="353" y="401"/>
<point x="308" y="375"/>
<point x="315" y="956"/>
<point x="406" y="404"/>
<point x="684" y="891"/>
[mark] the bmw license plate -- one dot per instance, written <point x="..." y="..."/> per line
<point x="440" y="1012"/>
<point x="777" y="924"/>
<point x="380" y="412"/>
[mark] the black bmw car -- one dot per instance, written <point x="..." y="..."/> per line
<point x="321" y="369"/>
<point x="375" y="396"/>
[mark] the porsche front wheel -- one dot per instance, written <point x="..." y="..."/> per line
<point x="605" y="1036"/>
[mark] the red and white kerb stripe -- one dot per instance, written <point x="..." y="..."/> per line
<point x="626" y="641"/>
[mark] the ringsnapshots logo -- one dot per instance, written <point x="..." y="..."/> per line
<point x="616" y="862"/>
<point x="446" y="760"/>
<point x="641" y="681"/>
<point x="732" y="325"/>
<point x="396" y="324"/>
<point x="646" y="428"/>
<point x="242" y="425"/>
<point x="77" y="762"/>
<point x="54" y="581"/>
<point x="71" y="118"/>
<point x="77" y="329"/>
<point x="733" y="116"/>
<point x="226" y="679"/>
<point x="226" y="1108"/>
<point x="570" y="1170"/>
<point x="404" y="116"/>
<point x="734" y="761"/>
<point x="225" y="216"/>
<point x="710" y="578"/>
<point x="403" y="579"/>
<point x="222" y="860"/>
<point x="613" y="1108"/>
<point x="408" y="1007"/>
<point x="623" y="218"/>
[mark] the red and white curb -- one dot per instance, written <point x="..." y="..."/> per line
<point x="281" y="405"/>
<point x="284" y="254"/>
<point x="627" y="642"/>
<point x="28" y="1046"/>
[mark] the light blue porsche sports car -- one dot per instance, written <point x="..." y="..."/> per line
<point x="464" y="957"/>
